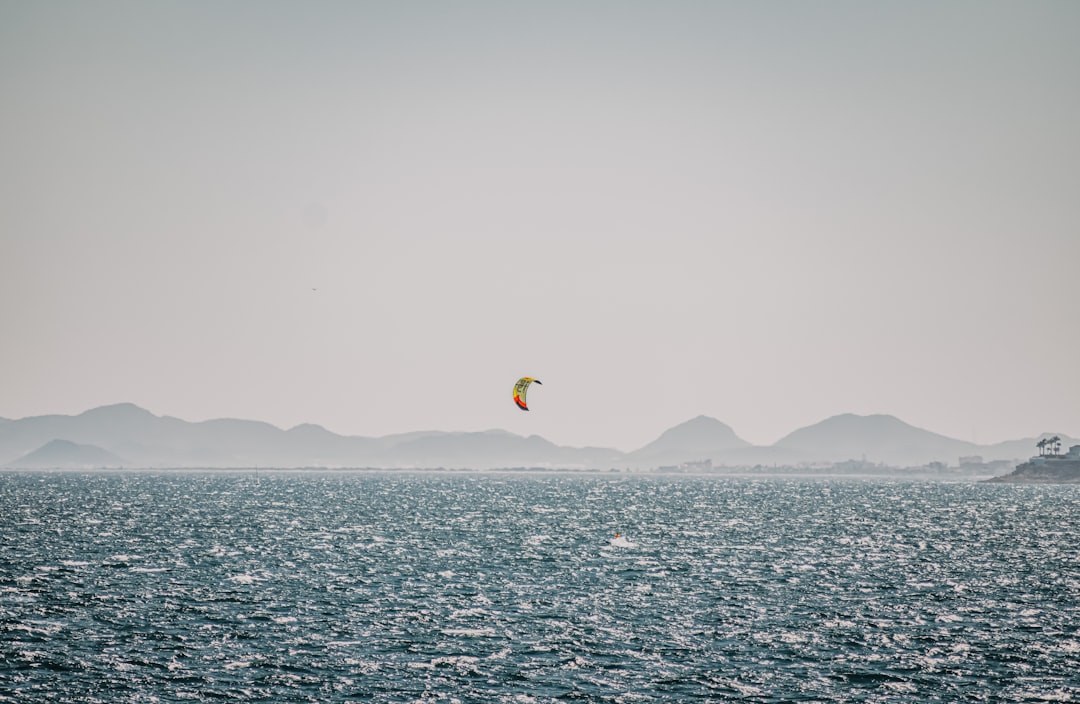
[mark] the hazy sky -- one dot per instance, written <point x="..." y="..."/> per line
<point x="377" y="216"/>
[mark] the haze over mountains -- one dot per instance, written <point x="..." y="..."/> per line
<point x="125" y="435"/>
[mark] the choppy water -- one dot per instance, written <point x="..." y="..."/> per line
<point x="486" y="588"/>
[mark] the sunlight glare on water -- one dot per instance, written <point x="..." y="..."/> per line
<point x="354" y="586"/>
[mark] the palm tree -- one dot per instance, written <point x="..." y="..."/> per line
<point x="1042" y="447"/>
<point x="1056" y="443"/>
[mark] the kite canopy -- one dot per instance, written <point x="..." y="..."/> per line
<point x="520" y="388"/>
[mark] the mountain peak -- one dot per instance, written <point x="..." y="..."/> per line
<point x="701" y="426"/>
<point x="310" y="428"/>
<point x="695" y="438"/>
<point x="124" y="411"/>
<point x="877" y="437"/>
<point x="60" y="453"/>
<point x="846" y="423"/>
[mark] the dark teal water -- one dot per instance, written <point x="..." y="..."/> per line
<point x="335" y="587"/>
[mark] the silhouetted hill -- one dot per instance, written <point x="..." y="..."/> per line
<point x="876" y="438"/>
<point x="147" y="440"/>
<point x="696" y="439"/>
<point x="62" y="454"/>
<point x="143" y="439"/>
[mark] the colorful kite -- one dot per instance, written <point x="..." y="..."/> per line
<point x="520" y="388"/>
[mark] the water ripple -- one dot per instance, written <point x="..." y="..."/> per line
<point x="360" y="586"/>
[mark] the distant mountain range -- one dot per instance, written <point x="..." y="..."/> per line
<point x="125" y="435"/>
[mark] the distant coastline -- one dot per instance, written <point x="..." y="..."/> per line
<point x="1053" y="468"/>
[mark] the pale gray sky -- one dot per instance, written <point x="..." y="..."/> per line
<point x="377" y="216"/>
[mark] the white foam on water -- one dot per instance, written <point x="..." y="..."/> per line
<point x="244" y="579"/>
<point x="39" y="627"/>
<point x="471" y="632"/>
<point x="1069" y="646"/>
<point x="1057" y="695"/>
<point x="366" y="667"/>
<point x="456" y="660"/>
<point x="838" y="623"/>
<point x="290" y="677"/>
<point x="466" y="613"/>
<point x="550" y="509"/>
<point x="32" y="655"/>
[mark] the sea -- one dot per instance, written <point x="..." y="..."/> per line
<point x="363" y="586"/>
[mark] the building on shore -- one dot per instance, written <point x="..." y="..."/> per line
<point x="1050" y="466"/>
